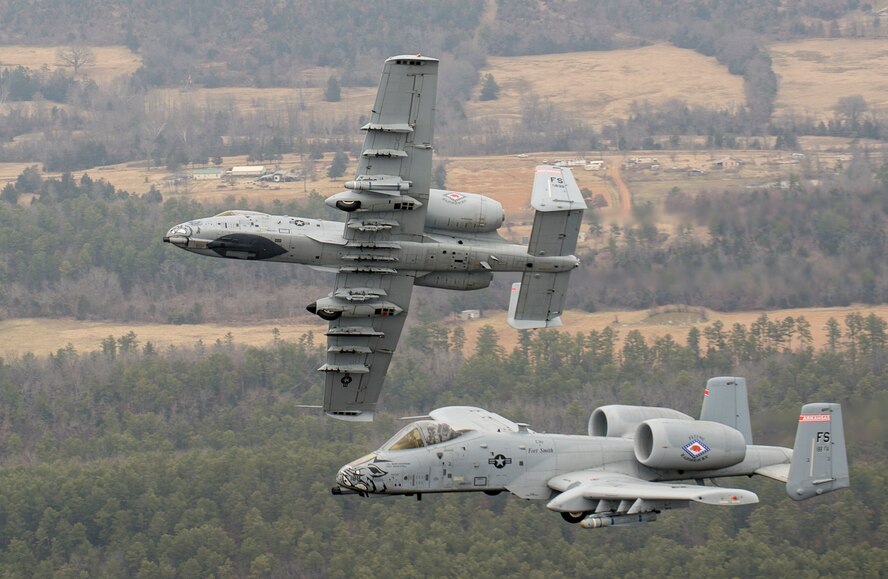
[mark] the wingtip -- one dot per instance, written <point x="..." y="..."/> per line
<point x="352" y="415"/>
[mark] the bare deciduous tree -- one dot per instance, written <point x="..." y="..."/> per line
<point x="851" y="108"/>
<point x="76" y="56"/>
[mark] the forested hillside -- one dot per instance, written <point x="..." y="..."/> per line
<point x="750" y="249"/>
<point x="196" y="462"/>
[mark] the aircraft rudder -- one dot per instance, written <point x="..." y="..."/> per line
<point x="725" y="401"/>
<point x="819" y="457"/>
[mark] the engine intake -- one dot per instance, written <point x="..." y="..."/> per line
<point x="620" y="420"/>
<point x="665" y="443"/>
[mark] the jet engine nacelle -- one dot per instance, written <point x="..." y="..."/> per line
<point x="621" y="421"/>
<point x="457" y="211"/>
<point x="665" y="443"/>
<point x="456" y="280"/>
<point x="447" y="210"/>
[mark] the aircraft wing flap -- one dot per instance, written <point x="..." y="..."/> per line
<point x="599" y="485"/>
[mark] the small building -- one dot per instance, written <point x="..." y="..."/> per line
<point x="570" y="162"/>
<point x="596" y="165"/>
<point x="643" y="163"/>
<point x="469" y="315"/>
<point x="246" y="171"/>
<point x="727" y="163"/>
<point x="206" y="174"/>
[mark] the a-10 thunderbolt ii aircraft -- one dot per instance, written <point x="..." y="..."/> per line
<point x="622" y="473"/>
<point x="399" y="233"/>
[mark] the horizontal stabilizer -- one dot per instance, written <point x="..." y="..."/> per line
<point x="777" y="472"/>
<point x="537" y="302"/>
<point x="559" y="207"/>
<point x="537" y="298"/>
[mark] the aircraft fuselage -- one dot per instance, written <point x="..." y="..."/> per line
<point x="520" y="462"/>
<point x="317" y="242"/>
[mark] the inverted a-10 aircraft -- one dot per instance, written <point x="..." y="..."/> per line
<point x="398" y="234"/>
<point x="622" y="473"/>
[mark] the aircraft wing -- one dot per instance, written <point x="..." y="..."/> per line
<point x="372" y="296"/>
<point x="360" y="345"/>
<point x="637" y="495"/>
<point x="396" y="160"/>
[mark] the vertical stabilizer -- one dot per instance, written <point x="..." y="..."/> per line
<point x="819" y="460"/>
<point x="725" y="402"/>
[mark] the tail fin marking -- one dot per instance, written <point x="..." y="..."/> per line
<point x="819" y="458"/>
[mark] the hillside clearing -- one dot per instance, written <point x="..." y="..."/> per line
<point x="110" y="61"/>
<point x="815" y="74"/>
<point x="600" y="87"/>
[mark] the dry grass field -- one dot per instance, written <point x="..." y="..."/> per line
<point x="815" y="74"/>
<point x="308" y="102"/>
<point x="44" y="336"/>
<point x="599" y="87"/>
<point x="110" y="61"/>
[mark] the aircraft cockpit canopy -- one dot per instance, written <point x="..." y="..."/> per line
<point x="420" y="434"/>
<point x="233" y="212"/>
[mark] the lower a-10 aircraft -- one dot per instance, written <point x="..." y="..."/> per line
<point x="624" y="472"/>
<point x="399" y="233"/>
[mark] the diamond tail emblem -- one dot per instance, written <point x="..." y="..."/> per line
<point x="695" y="448"/>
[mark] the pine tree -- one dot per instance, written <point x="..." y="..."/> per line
<point x="490" y="90"/>
<point x="339" y="165"/>
<point x="332" y="93"/>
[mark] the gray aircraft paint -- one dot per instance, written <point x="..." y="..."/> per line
<point x="598" y="480"/>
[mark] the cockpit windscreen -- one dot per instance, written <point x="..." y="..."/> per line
<point x="419" y="434"/>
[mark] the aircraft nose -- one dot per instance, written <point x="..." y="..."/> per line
<point x="341" y="479"/>
<point x="179" y="235"/>
<point x="361" y="476"/>
<point x="349" y="478"/>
